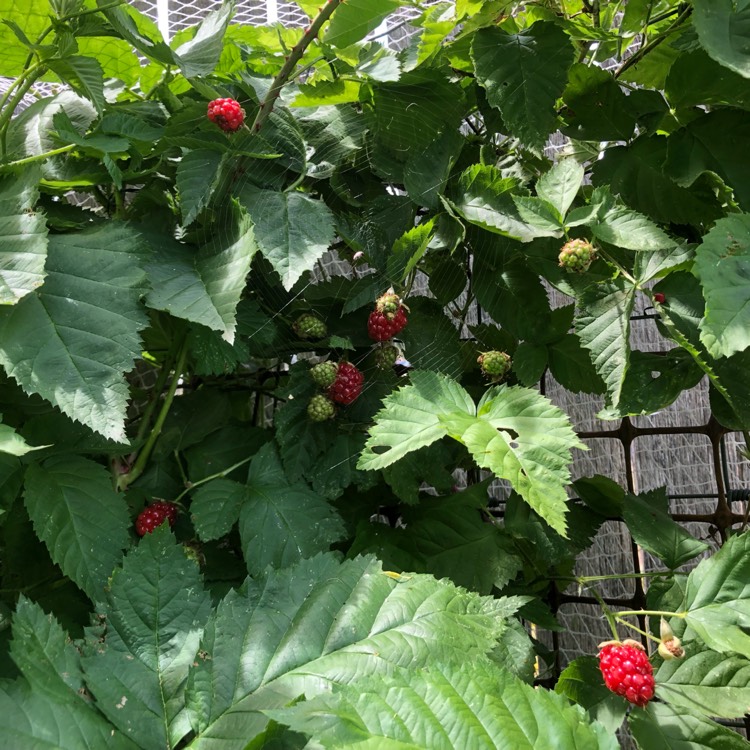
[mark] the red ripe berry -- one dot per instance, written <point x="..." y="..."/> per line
<point x="348" y="384"/>
<point x="627" y="671"/>
<point x="660" y="298"/>
<point x="227" y="114"/>
<point x="154" y="515"/>
<point x="381" y="328"/>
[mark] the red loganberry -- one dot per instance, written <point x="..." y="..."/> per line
<point x="348" y="384"/>
<point x="154" y="515"/>
<point x="227" y="114"/>
<point x="627" y="671"/>
<point x="660" y="298"/>
<point x="380" y="328"/>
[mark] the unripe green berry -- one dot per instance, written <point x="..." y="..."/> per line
<point x="320" y="408"/>
<point x="309" y="326"/>
<point x="385" y="357"/>
<point x="388" y="304"/>
<point x="324" y="374"/>
<point x="576" y="256"/>
<point x="494" y="364"/>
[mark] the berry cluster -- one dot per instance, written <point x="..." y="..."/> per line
<point x="388" y="318"/>
<point x="227" y="114"/>
<point x="627" y="670"/>
<point x="342" y="383"/>
<point x="320" y="408"/>
<point x="576" y="256"/>
<point x="154" y="515"/>
<point x="494" y="365"/>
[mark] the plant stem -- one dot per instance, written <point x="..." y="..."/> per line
<point x="39" y="157"/>
<point x="637" y="629"/>
<point x="651" y="613"/>
<point x="287" y="69"/>
<point x="145" y="452"/>
<point x="655" y="42"/>
<point x="155" y="393"/>
<point x="10" y="106"/>
<point x="607" y="613"/>
<point x="218" y="475"/>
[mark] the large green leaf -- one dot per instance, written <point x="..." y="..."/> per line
<point x="597" y="108"/>
<point x="706" y="682"/>
<point x="198" y="174"/>
<point x="354" y="19"/>
<point x="12" y="443"/>
<point x="322" y="622"/>
<point x="156" y="609"/>
<point x="723" y="28"/>
<point x="445" y="707"/>
<point x="82" y="74"/>
<point x="648" y="520"/>
<point x="663" y="727"/>
<point x="29" y="720"/>
<point x="283" y="522"/>
<point x="702" y="146"/>
<point x="635" y="173"/>
<point x="522" y="437"/>
<point x="620" y="226"/>
<point x="293" y="230"/>
<point x="215" y="507"/>
<point x="80" y="518"/>
<point x="695" y="79"/>
<point x="722" y="264"/>
<point x="559" y="186"/>
<point x="410" y="418"/>
<point x="717" y="598"/>
<point x="200" y="55"/>
<point x="44" y="654"/>
<point x="524" y="74"/>
<point x="23" y="237"/>
<point x="204" y="287"/>
<point x="72" y="341"/>
<point x="603" y="326"/>
<point x="427" y="171"/>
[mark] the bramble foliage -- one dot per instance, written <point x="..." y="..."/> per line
<point x="167" y="284"/>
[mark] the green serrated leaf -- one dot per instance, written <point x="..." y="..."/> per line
<point x="28" y="719"/>
<point x="215" y="507"/>
<point x="84" y="75"/>
<point x="13" y="444"/>
<point x="302" y="629"/>
<point x="200" y="55"/>
<point x="559" y="186"/>
<point x="485" y="198"/>
<point x="198" y="174"/>
<point x="522" y="437"/>
<point x="80" y="518"/>
<point x="442" y="708"/>
<point x="539" y="214"/>
<point x="523" y="75"/>
<point x="73" y="340"/>
<point x="706" y="682"/>
<point x="410" y="418"/>
<point x="722" y="265"/>
<point x="723" y="29"/>
<point x="23" y="237"/>
<point x="628" y="229"/>
<point x="603" y="326"/>
<point x="355" y="19"/>
<point x="529" y="362"/>
<point x="717" y="597"/>
<point x="293" y="231"/>
<point x="571" y="366"/>
<point x="281" y="522"/>
<point x="663" y="727"/>
<point x="702" y="147"/>
<point x="156" y="609"/>
<point x="44" y="654"/>
<point x="204" y="287"/>
<point x="652" y="528"/>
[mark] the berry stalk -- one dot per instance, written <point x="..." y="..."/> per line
<point x="295" y="56"/>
